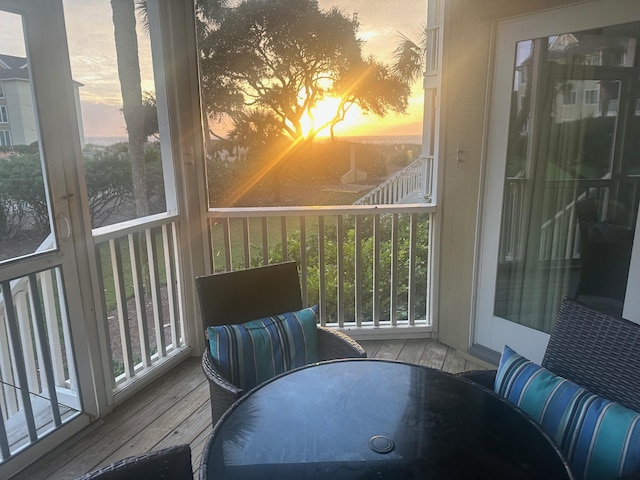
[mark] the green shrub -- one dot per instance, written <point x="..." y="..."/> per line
<point x="348" y="261"/>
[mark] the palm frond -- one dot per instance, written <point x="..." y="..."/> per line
<point x="408" y="59"/>
<point x="143" y="15"/>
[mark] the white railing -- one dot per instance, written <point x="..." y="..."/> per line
<point x="559" y="235"/>
<point x="142" y="295"/>
<point x="139" y="265"/>
<point x="365" y="266"/>
<point x="410" y="185"/>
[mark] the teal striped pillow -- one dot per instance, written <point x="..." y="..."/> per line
<point x="600" y="438"/>
<point x="250" y="353"/>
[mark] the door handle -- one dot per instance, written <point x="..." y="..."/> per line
<point x="66" y="233"/>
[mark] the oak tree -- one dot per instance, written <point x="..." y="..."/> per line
<point x="266" y="64"/>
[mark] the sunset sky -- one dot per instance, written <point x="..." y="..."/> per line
<point x="381" y="22"/>
<point x="93" y="60"/>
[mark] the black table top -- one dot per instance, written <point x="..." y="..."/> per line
<point x="374" y="419"/>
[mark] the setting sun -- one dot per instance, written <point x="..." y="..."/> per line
<point x="319" y="116"/>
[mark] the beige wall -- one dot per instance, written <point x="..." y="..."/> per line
<point x="465" y="69"/>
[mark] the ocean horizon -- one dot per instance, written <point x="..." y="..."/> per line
<point x="105" y="141"/>
<point x="382" y="139"/>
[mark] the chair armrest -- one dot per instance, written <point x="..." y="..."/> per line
<point x="223" y="392"/>
<point x="173" y="462"/>
<point x="333" y="345"/>
<point x="486" y="378"/>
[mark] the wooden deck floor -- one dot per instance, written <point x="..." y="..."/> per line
<point x="175" y="410"/>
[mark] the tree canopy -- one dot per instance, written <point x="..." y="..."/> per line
<point x="266" y="64"/>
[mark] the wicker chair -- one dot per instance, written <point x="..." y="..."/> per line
<point x="244" y="295"/>
<point x="597" y="351"/>
<point x="605" y="254"/>
<point x="171" y="463"/>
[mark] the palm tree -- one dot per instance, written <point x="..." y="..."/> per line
<point x="410" y="57"/>
<point x="133" y="104"/>
<point x="124" y="23"/>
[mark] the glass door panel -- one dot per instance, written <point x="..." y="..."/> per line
<point x="25" y="210"/>
<point x="569" y="184"/>
<point x="567" y="213"/>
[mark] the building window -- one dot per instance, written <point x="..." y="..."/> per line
<point x="5" y="138"/>
<point x="593" y="58"/>
<point x="522" y="75"/>
<point x="4" y="118"/>
<point x="591" y="96"/>
<point x="569" y="97"/>
<point x="1" y="90"/>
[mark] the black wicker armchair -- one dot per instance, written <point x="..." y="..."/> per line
<point x="171" y="463"/>
<point x="243" y="295"/>
<point x="597" y="351"/>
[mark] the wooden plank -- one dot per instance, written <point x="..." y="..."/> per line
<point x="469" y="365"/>
<point x="147" y="437"/>
<point x="452" y="362"/>
<point x="390" y="349"/>
<point x="434" y="355"/>
<point x="125" y="441"/>
<point x="197" y="447"/>
<point x="412" y="350"/>
<point x="175" y="383"/>
<point x="191" y="428"/>
<point x="371" y="346"/>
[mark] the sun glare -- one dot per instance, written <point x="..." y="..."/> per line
<point x="320" y="115"/>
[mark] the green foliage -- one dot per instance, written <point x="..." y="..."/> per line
<point x="301" y="179"/>
<point x="266" y="63"/>
<point x="410" y="57"/>
<point x="23" y="204"/>
<point x="579" y="148"/>
<point x="109" y="185"/>
<point x="150" y="114"/>
<point x="154" y="177"/>
<point x="329" y="239"/>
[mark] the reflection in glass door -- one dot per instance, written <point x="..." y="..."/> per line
<point x="567" y="173"/>
<point x="570" y="201"/>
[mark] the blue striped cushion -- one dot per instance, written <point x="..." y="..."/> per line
<point x="600" y="438"/>
<point x="252" y="352"/>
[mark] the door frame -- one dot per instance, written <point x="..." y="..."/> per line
<point x="60" y="153"/>
<point x="489" y="331"/>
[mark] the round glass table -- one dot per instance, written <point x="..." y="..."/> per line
<point x="376" y="419"/>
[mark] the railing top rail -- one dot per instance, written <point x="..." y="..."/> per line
<point x="244" y="212"/>
<point x="118" y="230"/>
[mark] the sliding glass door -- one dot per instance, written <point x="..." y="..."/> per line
<point x="563" y="180"/>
